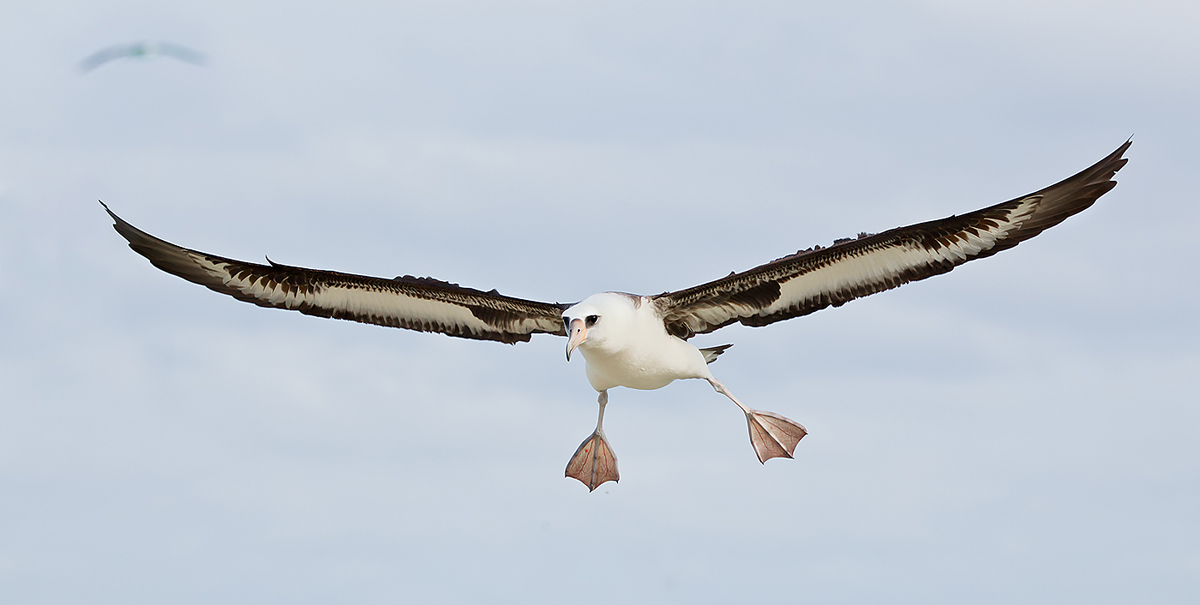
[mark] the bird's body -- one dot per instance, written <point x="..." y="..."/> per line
<point x="641" y="342"/>
<point x="632" y="348"/>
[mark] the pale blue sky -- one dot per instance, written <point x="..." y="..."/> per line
<point x="1021" y="430"/>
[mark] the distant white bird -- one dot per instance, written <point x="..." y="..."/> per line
<point x="141" y="50"/>
<point x="640" y="342"/>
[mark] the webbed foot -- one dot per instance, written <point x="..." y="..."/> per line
<point x="772" y="435"/>
<point x="594" y="462"/>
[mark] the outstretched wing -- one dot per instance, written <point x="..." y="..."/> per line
<point x="414" y="303"/>
<point x="183" y="53"/>
<point x="814" y="279"/>
<point x="105" y="55"/>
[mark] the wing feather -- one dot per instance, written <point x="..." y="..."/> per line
<point x="817" y="278"/>
<point x="415" y="303"/>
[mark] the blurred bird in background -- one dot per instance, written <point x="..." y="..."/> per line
<point x="141" y="50"/>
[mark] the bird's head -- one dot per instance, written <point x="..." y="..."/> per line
<point x="577" y="327"/>
<point x="590" y="323"/>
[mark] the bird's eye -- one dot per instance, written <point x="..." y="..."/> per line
<point x="567" y="322"/>
<point x="591" y="320"/>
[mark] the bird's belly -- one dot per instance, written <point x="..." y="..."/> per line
<point x="634" y="373"/>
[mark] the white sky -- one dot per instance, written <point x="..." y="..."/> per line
<point x="1022" y="430"/>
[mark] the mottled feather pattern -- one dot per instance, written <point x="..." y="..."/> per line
<point x="814" y="279"/>
<point x="427" y="306"/>
<point x="422" y="304"/>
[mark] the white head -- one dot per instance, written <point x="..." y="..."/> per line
<point x="591" y="324"/>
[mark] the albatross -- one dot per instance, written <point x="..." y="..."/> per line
<point x="641" y="342"/>
<point x="141" y="50"/>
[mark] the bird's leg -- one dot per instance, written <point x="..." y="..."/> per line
<point x="772" y="435"/>
<point x="594" y="462"/>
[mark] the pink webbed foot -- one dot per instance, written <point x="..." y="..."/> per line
<point x="772" y="435"/>
<point x="594" y="462"/>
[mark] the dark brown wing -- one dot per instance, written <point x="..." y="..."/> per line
<point x="414" y="303"/>
<point x="812" y="280"/>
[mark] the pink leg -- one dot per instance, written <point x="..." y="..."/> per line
<point x="772" y="435"/>
<point x="594" y="462"/>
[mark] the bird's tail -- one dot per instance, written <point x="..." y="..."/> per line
<point x="711" y="353"/>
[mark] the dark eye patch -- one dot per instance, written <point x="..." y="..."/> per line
<point x="591" y="320"/>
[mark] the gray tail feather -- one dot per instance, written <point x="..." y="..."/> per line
<point x="711" y="353"/>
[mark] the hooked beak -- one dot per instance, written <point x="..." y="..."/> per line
<point x="577" y="333"/>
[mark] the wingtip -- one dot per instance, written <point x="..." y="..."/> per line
<point x="116" y="219"/>
<point x="119" y="223"/>
<point x="1124" y="147"/>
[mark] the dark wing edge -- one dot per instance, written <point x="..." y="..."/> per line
<point x="809" y="281"/>
<point x="414" y="303"/>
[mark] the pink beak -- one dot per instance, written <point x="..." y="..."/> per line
<point x="577" y="333"/>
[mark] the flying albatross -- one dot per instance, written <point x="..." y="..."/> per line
<point x="141" y="50"/>
<point x="641" y="342"/>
